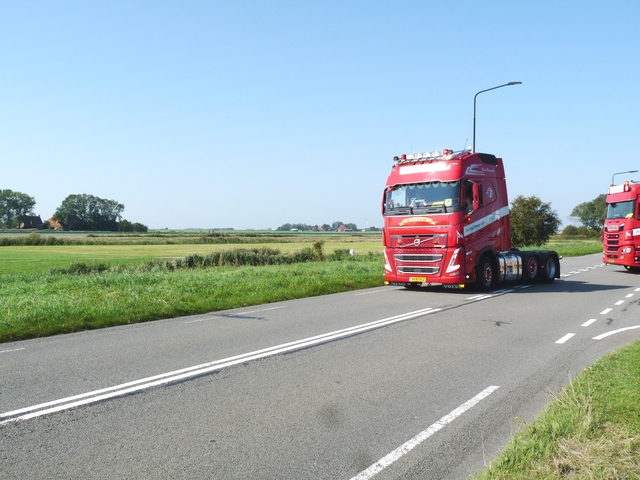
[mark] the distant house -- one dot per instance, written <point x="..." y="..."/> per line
<point x="30" y="221"/>
<point x="342" y="228"/>
<point x="54" y="224"/>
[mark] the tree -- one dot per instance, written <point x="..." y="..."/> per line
<point x="532" y="221"/>
<point x="14" y="205"/>
<point x="127" y="226"/>
<point x="592" y="214"/>
<point x="86" y="212"/>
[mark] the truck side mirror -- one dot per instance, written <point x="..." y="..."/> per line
<point x="476" y="196"/>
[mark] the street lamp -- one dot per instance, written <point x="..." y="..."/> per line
<point x="474" y="108"/>
<point x="620" y="173"/>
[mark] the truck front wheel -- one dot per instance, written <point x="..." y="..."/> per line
<point x="484" y="273"/>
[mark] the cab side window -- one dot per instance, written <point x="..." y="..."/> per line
<point x="469" y="194"/>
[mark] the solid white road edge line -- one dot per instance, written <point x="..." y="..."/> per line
<point x="177" y="375"/>
<point x="13" y="350"/>
<point x="613" y="332"/>
<point x="422" y="436"/>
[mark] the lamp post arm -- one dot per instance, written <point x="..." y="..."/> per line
<point x="474" y="107"/>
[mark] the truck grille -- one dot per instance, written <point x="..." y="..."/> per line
<point x="419" y="258"/>
<point x="416" y="263"/>
<point x="409" y="270"/>
<point x="611" y="243"/>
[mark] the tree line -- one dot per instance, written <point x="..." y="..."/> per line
<point x="325" y="227"/>
<point x="76" y="212"/>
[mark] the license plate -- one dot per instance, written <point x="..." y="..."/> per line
<point x="611" y="260"/>
<point x="418" y="279"/>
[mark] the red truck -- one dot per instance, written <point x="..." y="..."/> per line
<point x="621" y="233"/>
<point x="446" y="222"/>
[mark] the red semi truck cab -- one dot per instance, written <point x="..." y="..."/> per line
<point x="442" y="212"/>
<point x="621" y="233"/>
<point x="446" y="222"/>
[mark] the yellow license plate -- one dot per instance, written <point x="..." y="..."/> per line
<point x="417" y="279"/>
<point x="611" y="260"/>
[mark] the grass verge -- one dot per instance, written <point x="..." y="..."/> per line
<point x="590" y="430"/>
<point x="34" y="305"/>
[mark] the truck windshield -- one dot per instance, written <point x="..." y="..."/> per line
<point x="429" y="197"/>
<point x="620" y="209"/>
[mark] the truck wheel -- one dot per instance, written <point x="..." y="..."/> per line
<point x="549" y="270"/>
<point x="531" y="269"/>
<point x="632" y="269"/>
<point x="484" y="273"/>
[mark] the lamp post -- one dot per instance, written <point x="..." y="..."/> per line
<point x="474" y="107"/>
<point x="620" y="173"/>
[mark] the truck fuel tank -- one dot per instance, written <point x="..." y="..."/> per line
<point x="509" y="267"/>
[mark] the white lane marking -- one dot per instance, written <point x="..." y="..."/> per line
<point x="422" y="436"/>
<point x="582" y="270"/>
<point x="169" y="377"/>
<point x="565" y="338"/>
<point x="637" y="290"/>
<point x="630" y="295"/>
<point x="479" y="297"/>
<point x="13" y="350"/>
<point x="239" y="314"/>
<point x="369" y="292"/>
<point x="605" y="311"/>
<point x="588" y="322"/>
<point x="613" y="332"/>
<point x="619" y="302"/>
<point x="504" y="291"/>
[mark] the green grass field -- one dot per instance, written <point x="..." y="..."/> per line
<point x="43" y="258"/>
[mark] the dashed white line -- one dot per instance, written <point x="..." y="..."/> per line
<point x="605" y="311"/>
<point x="630" y="295"/>
<point x="619" y="302"/>
<point x="588" y="322"/>
<point x="422" y="436"/>
<point x="565" y="338"/>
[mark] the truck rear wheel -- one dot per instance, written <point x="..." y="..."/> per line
<point x="485" y="273"/>
<point x="549" y="270"/>
<point x="532" y="269"/>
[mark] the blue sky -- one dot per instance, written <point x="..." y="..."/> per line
<point x="248" y="115"/>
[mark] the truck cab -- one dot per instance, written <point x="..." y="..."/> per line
<point x="446" y="222"/>
<point x="621" y="233"/>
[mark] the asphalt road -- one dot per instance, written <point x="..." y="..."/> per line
<point x="382" y="383"/>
